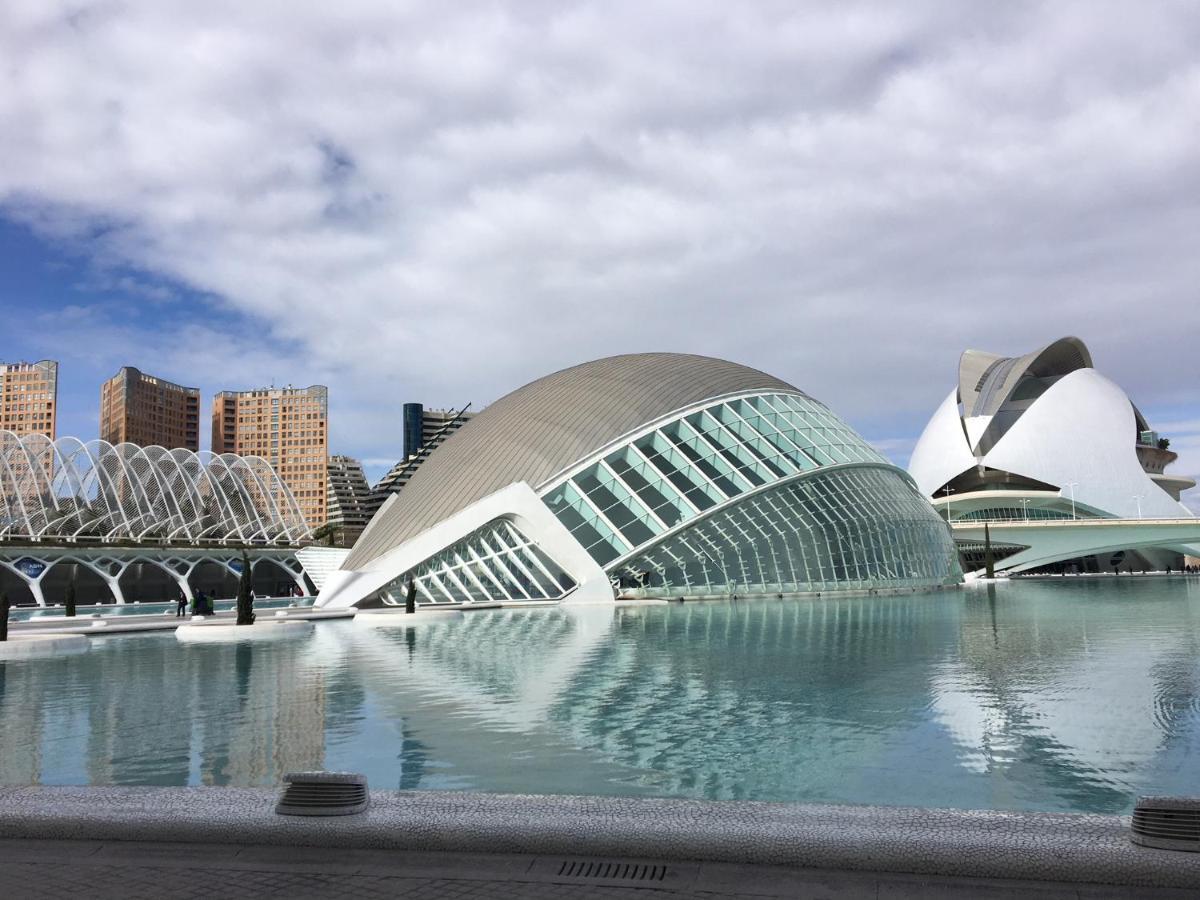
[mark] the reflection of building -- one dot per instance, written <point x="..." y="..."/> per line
<point x="667" y="474"/>
<point x="348" y="493"/>
<point x="1028" y="692"/>
<point x="137" y="408"/>
<point x="277" y="727"/>
<point x="29" y="393"/>
<point x="104" y="510"/>
<point x="661" y="699"/>
<point x="1044" y="437"/>
<point x="289" y="427"/>
<point x="424" y="432"/>
<point x="159" y="716"/>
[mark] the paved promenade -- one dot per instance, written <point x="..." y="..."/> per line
<point x="228" y="842"/>
<point x="136" y="869"/>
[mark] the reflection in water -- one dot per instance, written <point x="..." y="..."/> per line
<point x="1070" y="695"/>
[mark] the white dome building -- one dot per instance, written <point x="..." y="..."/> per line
<point x="1040" y="437"/>
<point x="652" y="474"/>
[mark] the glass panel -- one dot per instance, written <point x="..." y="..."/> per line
<point x="747" y="464"/>
<point x="705" y="458"/>
<point x="625" y="511"/>
<point x="585" y="523"/>
<point x="675" y="466"/>
<point x="655" y="493"/>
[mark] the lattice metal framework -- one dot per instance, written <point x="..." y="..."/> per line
<point x="693" y="463"/>
<point x="493" y="563"/>
<point x="68" y="489"/>
<point x="851" y="527"/>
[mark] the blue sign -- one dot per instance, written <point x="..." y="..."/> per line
<point x="30" y="568"/>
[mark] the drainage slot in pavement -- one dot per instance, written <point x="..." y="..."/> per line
<point x="598" y="870"/>
<point x="323" y="794"/>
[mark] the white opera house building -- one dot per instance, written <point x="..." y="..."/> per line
<point x="1036" y="442"/>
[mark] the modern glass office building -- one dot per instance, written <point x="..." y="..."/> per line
<point x="649" y="475"/>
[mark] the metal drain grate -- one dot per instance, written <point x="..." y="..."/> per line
<point x="1168" y="823"/>
<point x="323" y="794"/>
<point x="595" y="870"/>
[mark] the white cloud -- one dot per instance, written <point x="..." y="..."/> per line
<point x="441" y="201"/>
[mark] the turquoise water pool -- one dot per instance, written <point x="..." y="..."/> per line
<point x="1070" y="694"/>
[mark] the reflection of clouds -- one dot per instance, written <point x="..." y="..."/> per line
<point x="1071" y="675"/>
<point x="976" y="720"/>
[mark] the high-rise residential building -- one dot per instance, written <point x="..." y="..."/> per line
<point x="143" y="409"/>
<point x="424" y="431"/>
<point x="347" y="497"/>
<point x="30" y="397"/>
<point x="289" y="427"/>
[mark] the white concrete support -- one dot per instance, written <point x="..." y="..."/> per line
<point x="1057" y="540"/>
<point x="179" y="563"/>
<point x="516" y="502"/>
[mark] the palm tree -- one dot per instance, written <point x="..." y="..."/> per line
<point x="245" y="595"/>
<point x="330" y="532"/>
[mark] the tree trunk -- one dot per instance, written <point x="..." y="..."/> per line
<point x="245" y="597"/>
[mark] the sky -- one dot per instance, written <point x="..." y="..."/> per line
<point x="439" y="202"/>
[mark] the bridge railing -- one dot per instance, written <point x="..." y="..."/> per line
<point x="1091" y="522"/>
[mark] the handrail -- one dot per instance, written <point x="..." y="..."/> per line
<point x="1091" y="522"/>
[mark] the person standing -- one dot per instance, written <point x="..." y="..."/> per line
<point x="181" y="605"/>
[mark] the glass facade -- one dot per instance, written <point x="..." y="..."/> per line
<point x="850" y="528"/>
<point x="493" y="563"/>
<point x="858" y="527"/>
<point x="690" y="465"/>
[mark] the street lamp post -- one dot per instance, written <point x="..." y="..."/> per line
<point x="1138" y="499"/>
<point x="1072" y="485"/>
<point x="1025" y="507"/>
<point x="948" y="491"/>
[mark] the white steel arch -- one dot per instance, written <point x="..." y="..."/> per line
<point x="74" y="490"/>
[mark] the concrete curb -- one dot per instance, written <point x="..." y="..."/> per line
<point x="1088" y="849"/>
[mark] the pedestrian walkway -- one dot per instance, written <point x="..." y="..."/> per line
<point x="133" y="842"/>
<point x="132" y="870"/>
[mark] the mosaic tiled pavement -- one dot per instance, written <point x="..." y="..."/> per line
<point x="228" y="842"/>
<point x="135" y="870"/>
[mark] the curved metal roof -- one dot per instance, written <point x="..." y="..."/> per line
<point x="541" y="429"/>
<point x="986" y="380"/>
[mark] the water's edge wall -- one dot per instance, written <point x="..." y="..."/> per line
<point x="1091" y="849"/>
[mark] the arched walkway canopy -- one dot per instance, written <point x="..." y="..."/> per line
<point x="67" y="489"/>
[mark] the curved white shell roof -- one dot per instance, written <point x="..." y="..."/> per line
<point x="1081" y="429"/>
<point x="69" y="489"/>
